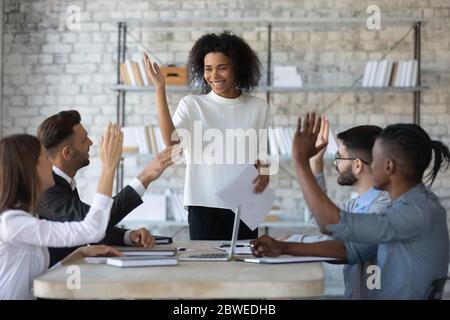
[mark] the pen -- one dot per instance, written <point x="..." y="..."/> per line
<point x="181" y="249"/>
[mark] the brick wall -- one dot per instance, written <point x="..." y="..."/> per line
<point x="48" y="68"/>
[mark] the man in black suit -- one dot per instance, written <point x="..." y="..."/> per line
<point x="67" y="144"/>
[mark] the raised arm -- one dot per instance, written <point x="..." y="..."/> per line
<point x="303" y="148"/>
<point x="21" y="227"/>
<point x="168" y="131"/>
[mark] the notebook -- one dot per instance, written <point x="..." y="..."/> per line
<point x="141" y="251"/>
<point x="124" y="262"/>
<point x="163" y="240"/>
<point x="285" y="259"/>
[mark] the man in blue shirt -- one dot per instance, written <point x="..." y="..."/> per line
<point x="411" y="233"/>
<point x="352" y="163"/>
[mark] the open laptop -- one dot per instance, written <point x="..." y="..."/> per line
<point x="217" y="256"/>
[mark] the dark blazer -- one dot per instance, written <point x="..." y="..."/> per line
<point x="60" y="203"/>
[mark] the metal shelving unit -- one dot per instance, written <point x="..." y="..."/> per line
<point x="316" y="24"/>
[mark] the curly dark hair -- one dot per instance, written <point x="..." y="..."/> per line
<point x="246" y="64"/>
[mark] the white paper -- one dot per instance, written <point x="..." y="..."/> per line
<point x="254" y="207"/>
<point x="237" y="250"/>
<point x="287" y="259"/>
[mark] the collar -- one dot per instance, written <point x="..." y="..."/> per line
<point x="366" y="199"/>
<point x="62" y="174"/>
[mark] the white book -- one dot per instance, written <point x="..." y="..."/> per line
<point x="373" y="73"/>
<point x="387" y="75"/>
<point x="130" y="139"/>
<point x="378" y="74"/>
<point x="365" y="81"/>
<point x="273" y="142"/>
<point x="159" y="139"/>
<point x="414" y="74"/>
<point x="144" y="143"/>
<point x="404" y="70"/>
<point x="95" y="260"/>
<point x="143" y="73"/>
<point x="130" y="73"/>
<point x="398" y="76"/>
<point x="136" y="138"/>
<point x="408" y="76"/>
<point x="123" y="262"/>
<point x="381" y="73"/>
<point x="142" y="251"/>
<point x="287" y="140"/>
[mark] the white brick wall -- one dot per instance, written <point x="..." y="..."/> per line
<point x="48" y="68"/>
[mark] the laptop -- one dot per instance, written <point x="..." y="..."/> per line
<point x="217" y="256"/>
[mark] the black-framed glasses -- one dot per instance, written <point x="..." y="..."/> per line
<point x="338" y="158"/>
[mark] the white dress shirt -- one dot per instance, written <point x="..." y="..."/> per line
<point x="136" y="184"/>
<point x="24" y="240"/>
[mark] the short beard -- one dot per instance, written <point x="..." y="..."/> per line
<point x="346" y="178"/>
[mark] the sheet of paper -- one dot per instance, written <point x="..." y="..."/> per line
<point x="238" y="250"/>
<point x="254" y="207"/>
<point x="287" y="259"/>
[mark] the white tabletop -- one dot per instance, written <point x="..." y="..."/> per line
<point x="187" y="280"/>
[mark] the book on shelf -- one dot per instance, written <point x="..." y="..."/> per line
<point x="280" y="140"/>
<point x="286" y="76"/>
<point x="385" y="73"/>
<point x="132" y="73"/>
<point x="142" y="140"/>
<point x="176" y="205"/>
<point x="141" y="261"/>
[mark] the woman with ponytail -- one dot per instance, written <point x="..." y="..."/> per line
<point x="411" y="234"/>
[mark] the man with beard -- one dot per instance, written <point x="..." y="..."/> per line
<point x="67" y="144"/>
<point x="352" y="162"/>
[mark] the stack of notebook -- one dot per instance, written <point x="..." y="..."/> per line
<point x="139" y="257"/>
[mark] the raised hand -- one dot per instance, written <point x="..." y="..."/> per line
<point x="161" y="162"/>
<point x="317" y="160"/>
<point x="154" y="73"/>
<point x="111" y="147"/>
<point x="304" y="144"/>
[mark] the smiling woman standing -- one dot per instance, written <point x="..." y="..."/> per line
<point x="226" y="69"/>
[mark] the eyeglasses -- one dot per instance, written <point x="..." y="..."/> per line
<point x="338" y="158"/>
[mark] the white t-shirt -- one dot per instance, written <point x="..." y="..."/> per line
<point x="213" y="122"/>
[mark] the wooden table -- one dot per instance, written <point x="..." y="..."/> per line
<point x="187" y="280"/>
